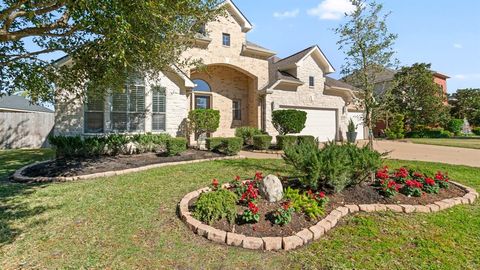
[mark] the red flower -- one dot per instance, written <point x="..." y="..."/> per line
<point x="215" y="183"/>
<point x="413" y="184"/>
<point x="417" y="174"/>
<point x="402" y="173"/>
<point x="237" y="178"/>
<point x="321" y="194"/>
<point x="258" y="176"/>
<point x="253" y="208"/>
<point x="286" y="205"/>
<point x="383" y="173"/>
<point x="430" y="181"/>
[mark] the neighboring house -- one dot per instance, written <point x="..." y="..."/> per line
<point x="22" y="124"/>
<point x="243" y="80"/>
<point x="384" y="80"/>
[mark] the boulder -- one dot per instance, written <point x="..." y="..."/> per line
<point x="130" y="148"/>
<point x="271" y="188"/>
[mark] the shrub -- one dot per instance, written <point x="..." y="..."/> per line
<point x="262" y="142"/>
<point x="203" y="121"/>
<point x="283" y="215"/>
<point x="306" y="139"/>
<point x="430" y="133"/>
<point x="351" y="126"/>
<point x="396" y="130"/>
<point x="302" y="203"/>
<point x="284" y="141"/>
<point x="151" y="142"/>
<point x="229" y="146"/>
<point x="66" y="146"/>
<point x="176" y="146"/>
<point x="289" y="121"/>
<point x="476" y="130"/>
<point x="215" y="205"/>
<point x="334" y="166"/>
<point x="455" y="126"/>
<point x="247" y="133"/>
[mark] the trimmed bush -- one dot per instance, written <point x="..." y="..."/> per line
<point x="476" y="131"/>
<point x="436" y="133"/>
<point x="215" y="205"/>
<point x="289" y="121"/>
<point x="203" y="121"/>
<point x="262" y="142"/>
<point x="284" y="141"/>
<point x="455" y="126"/>
<point x="396" y="130"/>
<point x="306" y="139"/>
<point x="176" y="146"/>
<point x="151" y="142"/>
<point x="247" y="133"/>
<point x="229" y="146"/>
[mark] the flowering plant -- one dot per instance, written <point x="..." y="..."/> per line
<point x="389" y="188"/>
<point x="250" y="194"/>
<point x="251" y="215"/>
<point x="401" y="175"/>
<point x="214" y="184"/>
<point x="442" y="179"/>
<point x="382" y="174"/>
<point x="412" y="188"/>
<point x="320" y="197"/>
<point x="284" y="214"/>
<point x="430" y="186"/>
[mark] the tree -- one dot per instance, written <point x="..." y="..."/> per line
<point x="466" y="104"/>
<point x="289" y="121"/>
<point x="415" y="95"/>
<point x="367" y="44"/>
<point x="203" y="121"/>
<point x="107" y="41"/>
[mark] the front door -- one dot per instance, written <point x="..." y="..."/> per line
<point x="202" y="102"/>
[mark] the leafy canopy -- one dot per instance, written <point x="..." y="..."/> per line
<point x="289" y="121"/>
<point x="466" y="104"/>
<point x="106" y="39"/>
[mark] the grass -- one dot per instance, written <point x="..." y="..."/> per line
<point x="130" y="222"/>
<point x="10" y="160"/>
<point x="453" y="142"/>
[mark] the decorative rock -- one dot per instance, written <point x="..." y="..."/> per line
<point x="130" y="148"/>
<point x="367" y="207"/>
<point x="465" y="200"/>
<point x="192" y="223"/>
<point x="271" y="188"/>
<point x="234" y="239"/>
<point x="317" y="231"/>
<point x="408" y="208"/>
<point x="253" y="243"/>
<point x="291" y="242"/>
<point x="352" y="208"/>
<point x="394" y="208"/>
<point x="332" y="220"/>
<point x="216" y="235"/>
<point x="272" y="243"/>
<point x="325" y="225"/>
<point x="306" y="235"/>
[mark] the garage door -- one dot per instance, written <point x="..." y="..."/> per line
<point x="322" y="124"/>
<point x="357" y="118"/>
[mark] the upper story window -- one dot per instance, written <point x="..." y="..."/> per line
<point x="226" y="39"/>
<point x="201" y="86"/>
<point x="311" y="81"/>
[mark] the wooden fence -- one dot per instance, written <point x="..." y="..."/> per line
<point x="25" y="129"/>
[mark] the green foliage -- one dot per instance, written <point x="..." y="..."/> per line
<point x="176" y="146"/>
<point x="262" y="142"/>
<point x="215" y="205"/>
<point x="351" y="126"/>
<point x="306" y="139"/>
<point x="247" y="133"/>
<point x="302" y="203"/>
<point x="466" y="104"/>
<point x="283" y="215"/>
<point x="334" y="166"/>
<point x="229" y="146"/>
<point x="427" y="132"/>
<point x="204" y="120"/>
<point x="396" y="129"/>
<point x="106" y="40"/>
<point x="289" y="121"/>
<point x="284" y="141"/>
<point x="455" y="126"/>
<point x="476" y="131"/>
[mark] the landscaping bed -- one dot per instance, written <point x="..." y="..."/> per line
<point x="83" y="166"/>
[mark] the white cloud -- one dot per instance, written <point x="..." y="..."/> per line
<point x="287" y="14"/>
<point x="331" y="9"/>
<point x="457" y="46"/>
<point x="460" y="76"/>
<point x="474" y="76"/>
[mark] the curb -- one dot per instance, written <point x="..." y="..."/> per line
<point x="314" y="232"/>
<point x="19" y="177"/>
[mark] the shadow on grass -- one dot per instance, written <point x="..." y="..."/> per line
<point x="266" y="166"/>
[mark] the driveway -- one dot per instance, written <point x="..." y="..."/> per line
<point x="411" y="151"/>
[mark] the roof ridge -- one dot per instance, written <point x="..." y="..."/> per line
<point x="290" y="56"/>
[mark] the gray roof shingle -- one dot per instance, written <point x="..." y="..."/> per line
<point x="20" y="104"/>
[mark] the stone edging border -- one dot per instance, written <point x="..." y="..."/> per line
<point x="19" y="177"/>
<point x="314" y="232"/>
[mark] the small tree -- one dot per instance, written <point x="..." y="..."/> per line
<point x="203" y="121"/>
<point x="396" y="129"/>
<point x="455" y="126"/>
<point x="289" y="121"/>
<point x="466" y="104"/>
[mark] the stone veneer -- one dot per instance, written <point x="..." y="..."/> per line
<point x="314" y="232"/>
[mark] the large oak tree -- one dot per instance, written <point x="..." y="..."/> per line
<point x="106" y="39"/>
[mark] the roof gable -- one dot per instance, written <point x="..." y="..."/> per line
<point x="314" y="51"/>
<point x="238" y="15"/>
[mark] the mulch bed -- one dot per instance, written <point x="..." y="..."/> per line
<point x="360" y="194"/>
<point x="84" y="166"/>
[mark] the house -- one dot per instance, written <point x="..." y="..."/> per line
<point x="383" y="82"/>
<point x="22" y="124"/>
<point x="241" y="79"/>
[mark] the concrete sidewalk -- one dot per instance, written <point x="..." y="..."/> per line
<point x="410" y="151"/>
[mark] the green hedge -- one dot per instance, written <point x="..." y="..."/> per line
<point x="476" y="131"/>
<point x="262" y="142"/>
<point x="306" y="139"/>
<point x="284" y="141"/>
<point x="436" y="133"/>
<point x="455" y="126"/>
<point x="176" y="146"/>
<point x="229" y="146"/>
<point x="289" y="121"/>
<point x="247" y="133"/>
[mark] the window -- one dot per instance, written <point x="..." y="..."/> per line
<point x="311" y="81"/>
<point x="202" y="102"/>
<point x="201" y="86"/>
<point x="93" y="115"/>
<point x="128" y="109"/>
<point x="158" y="108"/>
<point x="237" y="110"/>
<point x="226" y="39"/>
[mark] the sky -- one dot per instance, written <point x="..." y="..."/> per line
<point x="445" y="33"/>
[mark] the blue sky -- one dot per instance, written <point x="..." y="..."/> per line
<point x="445" y="33"/>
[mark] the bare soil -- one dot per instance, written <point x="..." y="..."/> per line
<point x="84" y="166"/>
<point x="360" y="194"/>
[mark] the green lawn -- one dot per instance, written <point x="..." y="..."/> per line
<point x="130" y="222"/>
<point x="10" y="160"/>
<point x="453" y="142"/>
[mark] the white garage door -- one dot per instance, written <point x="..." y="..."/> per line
<point x="357" y="118"/>
<point x="322" y="124"/>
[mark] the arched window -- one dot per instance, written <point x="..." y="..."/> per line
<point x="201" y="86"/>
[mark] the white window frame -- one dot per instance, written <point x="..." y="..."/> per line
<point x="164" y="113"/>
<point x="128" y="112"/>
